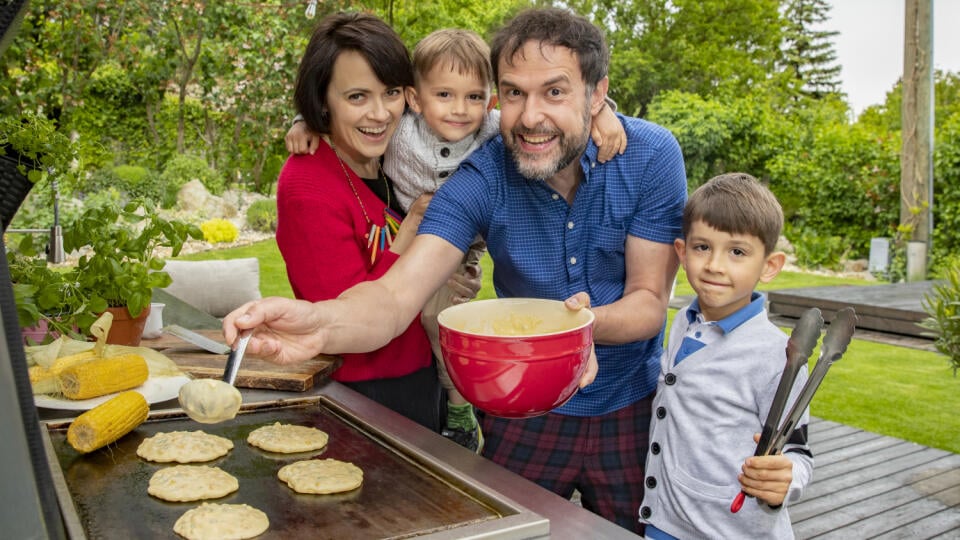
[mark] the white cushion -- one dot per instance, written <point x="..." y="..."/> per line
<point x="216" y="287"/>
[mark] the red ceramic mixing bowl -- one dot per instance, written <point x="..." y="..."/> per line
<point x="515" y="357"/>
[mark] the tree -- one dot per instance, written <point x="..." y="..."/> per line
<point x="185" y="25"/>
<point x="706" y="47"/>
<point x="59" y="46"/>
<point x="415" y="19"/>
<point x="251" y="68"/>
<point x="809" y="55"/>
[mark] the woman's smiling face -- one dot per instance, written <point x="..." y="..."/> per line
<point x="364" y="112"/>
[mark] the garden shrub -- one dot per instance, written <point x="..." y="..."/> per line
<point x="843" y="183"/>
<point x="139" y="182"/>
<point x="132" y="181"/>
<point x="184" y="168"/>
<point x="946" y="191"/>
<point x="942" y="305"/>
<point x="262" y="215"/>
<point x="217" y="231"/>
<point x="815" y="250"/>
<point x="111" y="83"/>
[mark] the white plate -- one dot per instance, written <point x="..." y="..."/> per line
<point x="155" y="390"/>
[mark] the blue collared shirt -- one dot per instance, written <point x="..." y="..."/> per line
<point x="543" y="247"/>
<point x="701" y="333"/>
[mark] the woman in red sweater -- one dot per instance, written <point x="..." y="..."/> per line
<point x="339" y="222"/>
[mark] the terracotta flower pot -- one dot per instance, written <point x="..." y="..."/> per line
<point x="125" y="329"/>
<point x="39" y="334"/>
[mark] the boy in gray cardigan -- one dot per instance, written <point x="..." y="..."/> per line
<point x="718" y="376"/>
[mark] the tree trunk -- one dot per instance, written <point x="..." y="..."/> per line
<point x="916" y="162"/>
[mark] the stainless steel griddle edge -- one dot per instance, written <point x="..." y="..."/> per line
<point x="541" y="515"/>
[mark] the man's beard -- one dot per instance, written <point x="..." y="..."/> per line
<point x="538" y="168"/>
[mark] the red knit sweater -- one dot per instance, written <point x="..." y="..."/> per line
<point x="320" y="232"/>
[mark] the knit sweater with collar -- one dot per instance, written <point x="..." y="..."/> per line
<point x="706" y="411"/>
<point x="419" y="162"/>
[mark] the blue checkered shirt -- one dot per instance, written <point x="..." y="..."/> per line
<point x="543" y="247"/>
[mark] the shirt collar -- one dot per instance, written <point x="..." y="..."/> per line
<point x="588" y="160"/>
<point x="731" y="322"/>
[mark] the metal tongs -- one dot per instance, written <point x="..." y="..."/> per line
<point x="799" y="348"/>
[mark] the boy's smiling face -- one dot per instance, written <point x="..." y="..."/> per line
<point x="725" y="268"/>
<point x="453" y="104"/>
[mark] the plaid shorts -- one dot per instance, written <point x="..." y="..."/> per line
<point x="600" y="456"/>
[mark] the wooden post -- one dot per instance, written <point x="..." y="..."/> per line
<point x="916" y="160"/>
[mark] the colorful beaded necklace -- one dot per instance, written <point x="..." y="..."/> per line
<point x="378" y="238"/>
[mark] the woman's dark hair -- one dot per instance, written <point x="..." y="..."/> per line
<point x="555" y="27"/>
<point x="360" y="32"/>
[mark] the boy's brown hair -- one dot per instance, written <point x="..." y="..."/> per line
<point x="456" y="49"/>
<point x="736" y="203"/>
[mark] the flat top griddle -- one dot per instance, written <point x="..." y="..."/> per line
<point x="401" y="497"/>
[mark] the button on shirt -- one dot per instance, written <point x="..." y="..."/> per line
<point x="543" y="247"/>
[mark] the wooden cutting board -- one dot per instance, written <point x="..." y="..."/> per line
<point x="254" y="372"/>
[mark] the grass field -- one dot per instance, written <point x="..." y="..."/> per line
<point x="897" y="391"/>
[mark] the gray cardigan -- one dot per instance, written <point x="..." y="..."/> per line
<point x="717" y="399"/>
<point x="418" y="162"/>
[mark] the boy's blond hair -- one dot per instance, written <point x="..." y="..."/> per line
<point x="736" y="203"/>
<point x="457" y="49"/>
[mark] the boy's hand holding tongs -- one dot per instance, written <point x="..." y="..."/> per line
<point x="799" y="348"/>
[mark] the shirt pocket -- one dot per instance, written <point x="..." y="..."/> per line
<point x="606" y="254"/>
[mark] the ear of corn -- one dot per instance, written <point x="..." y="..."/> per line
<point x="65" y="362"/>
<point x="103" y="376"/>
<point x="44" y="379"/>
<point x="107" y="422"/>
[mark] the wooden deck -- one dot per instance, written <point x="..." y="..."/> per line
<point x="867" y="485"/>
<point x="892" y="308"/>
<point x="872" y="486"/>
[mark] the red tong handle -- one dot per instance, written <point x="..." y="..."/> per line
<point x="737" y="502"/>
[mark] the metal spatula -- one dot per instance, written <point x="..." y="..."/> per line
<point x="210" y="401"/>
<point x="236" y="355"/>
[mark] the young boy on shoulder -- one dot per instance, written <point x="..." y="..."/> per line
<point x="451" y="112"/>
<point x="718" y="376"/>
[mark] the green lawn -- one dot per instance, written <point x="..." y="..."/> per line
<point x="896" y="391"/>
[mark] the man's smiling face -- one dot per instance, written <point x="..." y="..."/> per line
<point x="545" y="114"/>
